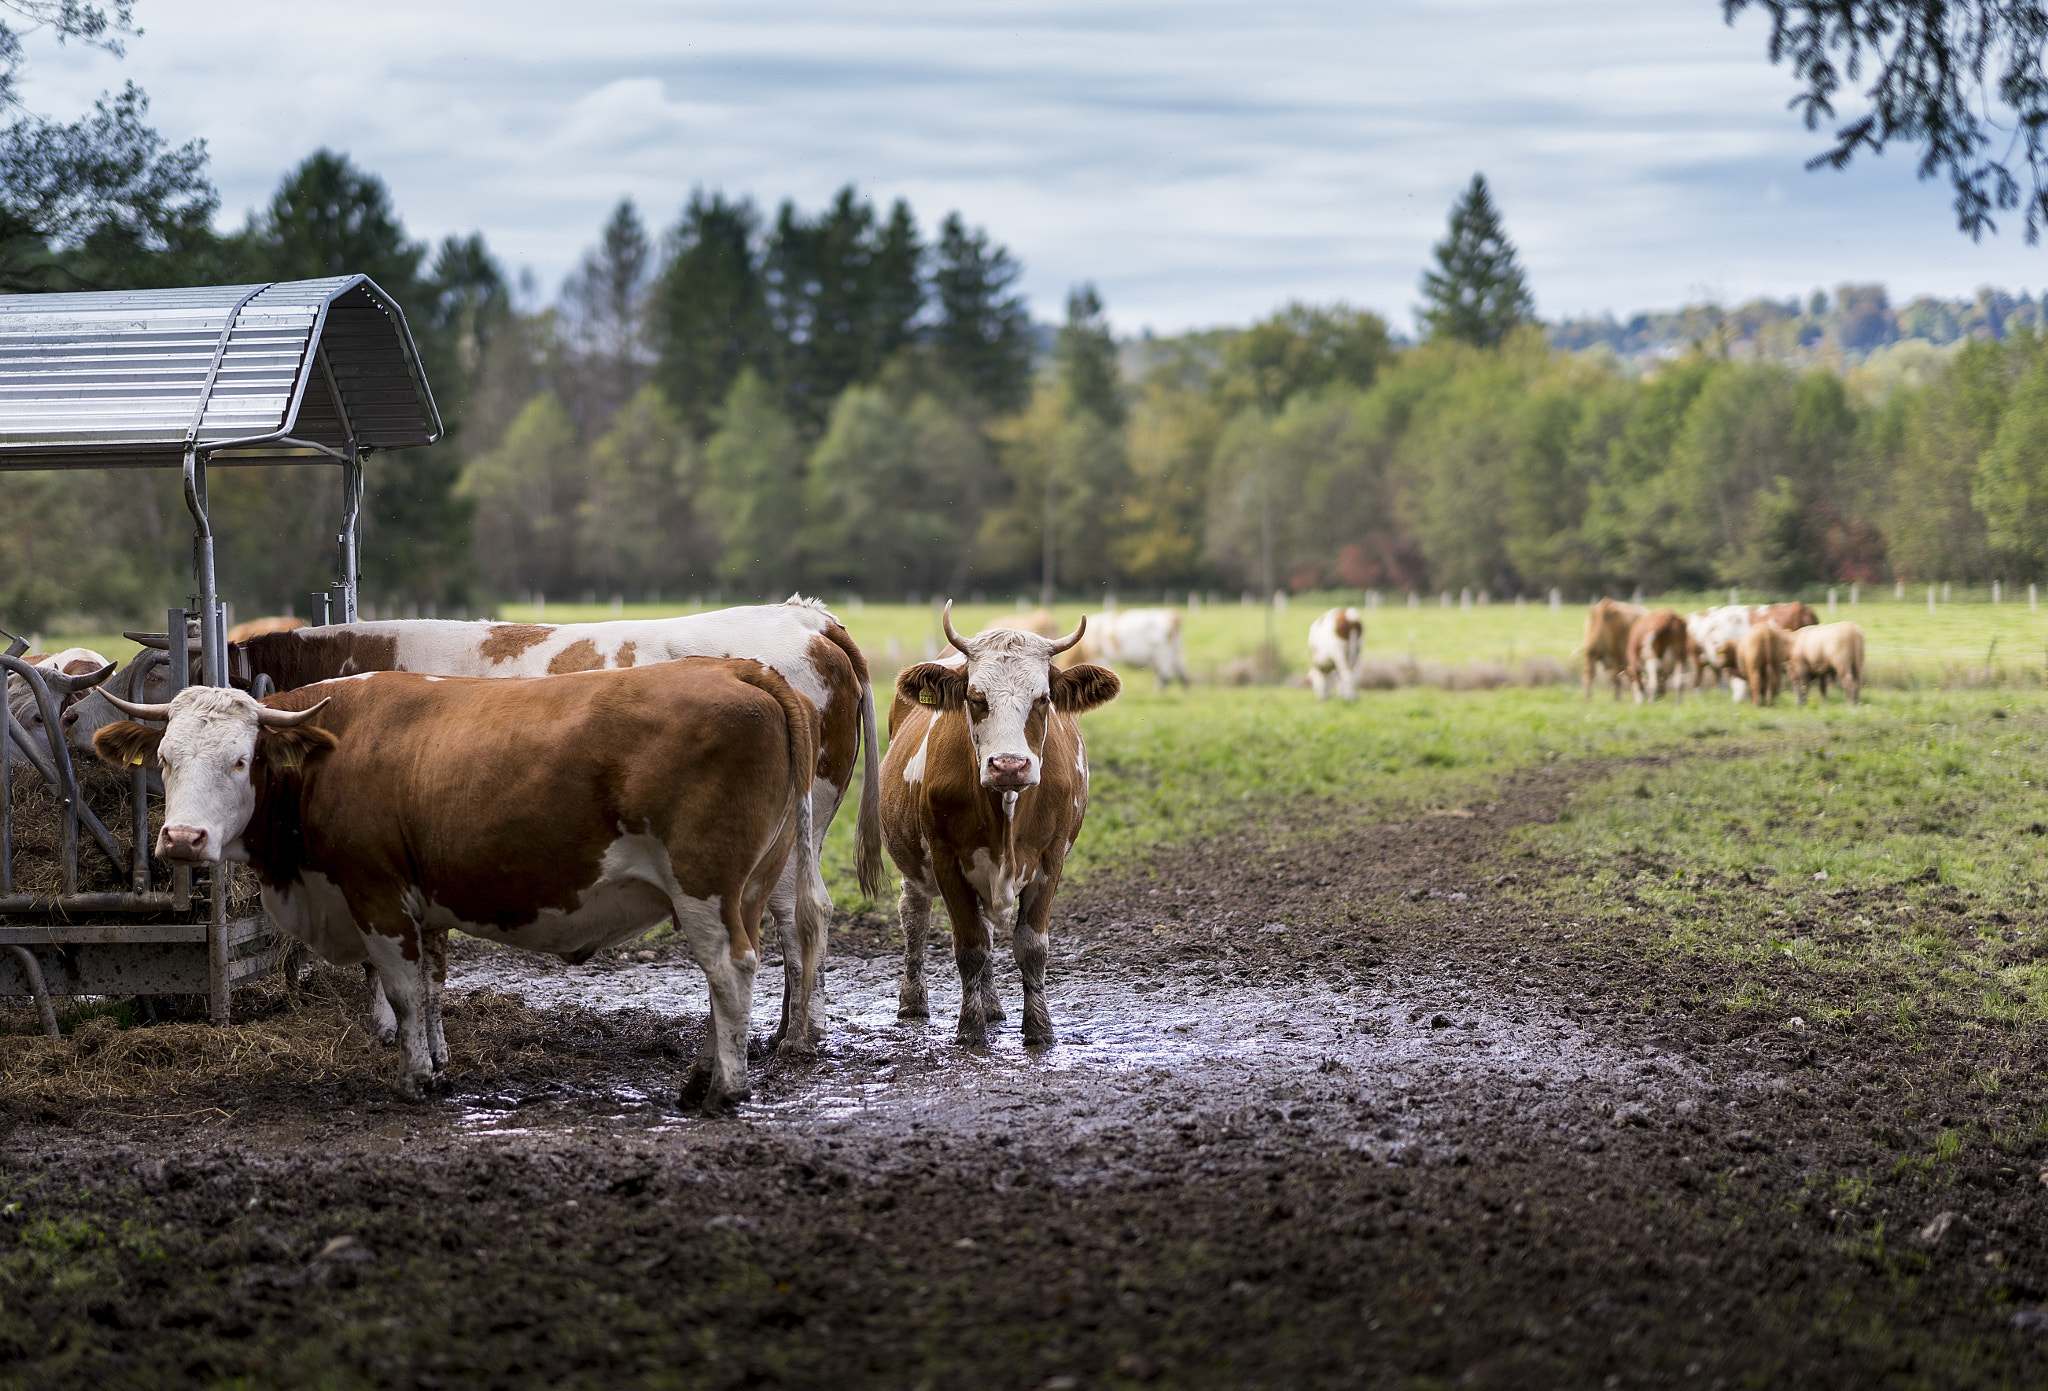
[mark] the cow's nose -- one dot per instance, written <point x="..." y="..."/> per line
<point x="71" y="717"/>
<point x="183" y="843"/>
<point x="1008" y="768"/>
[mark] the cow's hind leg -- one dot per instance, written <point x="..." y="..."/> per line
<point x="383" y="1023"/>
<point x="718" y="1081"/>
<point x="433" y="979"/>
<point x="1319" y="679"/>
<point x="914" y="912"/>
<point x="991" y="1001"/>
<point x="782" y="911"/>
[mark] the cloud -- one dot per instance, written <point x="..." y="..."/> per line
<point x="1200" y="161"/>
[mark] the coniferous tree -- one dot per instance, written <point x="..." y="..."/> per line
<point x="1087" y="359"/>
<point x="604" y="298"/>
<point x="710" y="310"/>
<point x="983" y="332"/>
<point x="1476" y="294"/>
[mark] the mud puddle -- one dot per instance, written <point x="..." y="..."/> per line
<point x="1157" y="1047"/>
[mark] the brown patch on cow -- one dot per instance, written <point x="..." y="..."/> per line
<point x="257" y="627"/>
<point x="306" y="655"/>
<point x="625" y="657"/>
<point x="1348" y="627"/>
<point x="507" y="640"/>
<point x="580" y="655"/>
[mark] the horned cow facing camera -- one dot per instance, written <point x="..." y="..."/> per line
<point x="983" y="793"/>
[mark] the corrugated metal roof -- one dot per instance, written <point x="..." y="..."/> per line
<point x="118" y="379"/>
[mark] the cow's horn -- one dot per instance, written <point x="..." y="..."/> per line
<point x="160" y="641"/>
<point x="140" y="710"/>
<point x="946" y="622"/>
<point x="1071" y="638"/>
<point x="285" y="719"/>
<point x="65" y="685"/>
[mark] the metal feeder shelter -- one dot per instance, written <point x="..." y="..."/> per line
<point x="294" y="372"/>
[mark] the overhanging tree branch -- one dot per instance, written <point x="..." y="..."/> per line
<point x="1960" y="80"/>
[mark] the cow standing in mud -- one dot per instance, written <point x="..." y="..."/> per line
<point x="562" y="816"/>
<point x="800" y="640"/>
<point x="983" y="793"/>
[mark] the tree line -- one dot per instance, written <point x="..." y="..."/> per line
<point x="834" y="399"/>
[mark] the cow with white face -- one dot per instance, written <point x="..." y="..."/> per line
<point x="561" y="815"/>
<point x="983" y="793"/>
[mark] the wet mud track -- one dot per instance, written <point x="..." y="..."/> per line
<point x="1328" y="1109"/>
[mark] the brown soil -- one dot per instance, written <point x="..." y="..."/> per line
<point x="1398" y="1185"/>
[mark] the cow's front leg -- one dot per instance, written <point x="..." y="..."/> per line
<point x="970" y="952"/>
<point x="1034" y="916"/>
<point x="1320" y="680"/>
<point x="914" y="912"/>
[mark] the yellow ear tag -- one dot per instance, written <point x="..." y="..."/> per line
<point x="136" y="759"/>
<point x="927" y="696"/>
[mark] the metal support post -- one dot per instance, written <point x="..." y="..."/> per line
<point x="323" y="609"/>
<point x="220" y="984"/>
<point x="179" y="673"/>
<point x="212" y="661"/>
<point x="351" y="532"/>
<point x="46" y="1009"/>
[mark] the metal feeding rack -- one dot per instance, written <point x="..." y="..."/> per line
<point x="294" y="372"/>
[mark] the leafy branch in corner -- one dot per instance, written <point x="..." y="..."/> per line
<point x="1963" y="80"/>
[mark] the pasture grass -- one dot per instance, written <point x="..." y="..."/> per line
<point x="1862" y="867"/>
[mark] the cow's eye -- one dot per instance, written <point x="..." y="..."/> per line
<point x="241" y="764"/>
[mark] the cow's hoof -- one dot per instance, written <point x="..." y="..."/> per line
<point x="696" y="1088"/>
<point x="724" y="1103"/>
<point x="797" y="1049"/>
<point x="993" y="1012"/>
<point x="920" y="1012"/>
<point x="972" y="1038"/>
<point x="387" y="1037"/>
<point x="1044" y="1040"/>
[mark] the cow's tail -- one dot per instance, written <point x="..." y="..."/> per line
<point x="867" y="824"/>
<point x="813" y="904"/>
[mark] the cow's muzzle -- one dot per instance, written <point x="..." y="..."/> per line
<point x="1007" y="771"/>
<point x="185" y="844"/>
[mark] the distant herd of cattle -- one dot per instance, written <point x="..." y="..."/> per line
<point x="1757" y="648"/>
<point x="389" y="785"/>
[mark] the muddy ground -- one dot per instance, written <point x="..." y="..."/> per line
<point x="1333" y="1107"/>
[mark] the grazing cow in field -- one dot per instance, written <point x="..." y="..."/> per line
<point x="799" y="639"/>
<point x="1136" y="638"/>
<point x="1608" y="623"/>
<point x="1657" y="652"/>
<point x="561" y="816"/>
<point x="1718" y="633"/>
<point x="1763" y="653"/>
<point x="1334" y="642"/>
<point x="1039" y="621"/>
<point x="258" y="627"/>
<point x="983" y="794"/>
<point x="1829" y="650"/>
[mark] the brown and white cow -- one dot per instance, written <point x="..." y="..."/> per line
<point x="1658" y="651"/>
<point x="1762" y="655"/>
<point x="1334" y="642"/>
<point x="983" y="793"/>
<point x="1608" y="623"/>
<point x="799" y="639"/>
<point x="1829" y="650"/>
<point x="561" y="816"/>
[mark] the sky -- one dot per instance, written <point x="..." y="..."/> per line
<point x="1201" y="163"/>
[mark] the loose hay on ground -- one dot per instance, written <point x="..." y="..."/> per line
<point x="175" y="1068"/>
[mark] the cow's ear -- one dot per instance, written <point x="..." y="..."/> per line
<point x="127" y="744"/>
<point x="934" y="684"/>
<point x="289" y="750"/>
<point x="1084" y="687"/>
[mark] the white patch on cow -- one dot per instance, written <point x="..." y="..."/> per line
<point x="777" y="635"/>
<point x="1012" y="673"/>
<point x="208" y="745"/>
<point x="997" y="884"/>
<point x="1009" y="806"/>
<point x="634" y="888"/>
<point x="314" y="911"/>
<point x="913" y="769"/>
